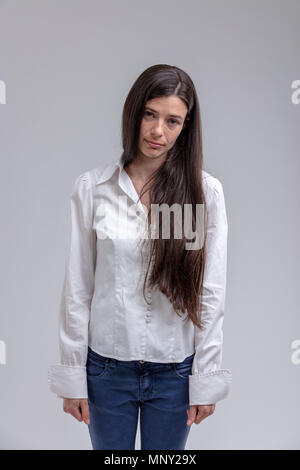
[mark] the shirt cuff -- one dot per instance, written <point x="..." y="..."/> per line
<point x="68" y="381"/>
<point x="209" y="387"/>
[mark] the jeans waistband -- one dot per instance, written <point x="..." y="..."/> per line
<point x="91" y="352"/>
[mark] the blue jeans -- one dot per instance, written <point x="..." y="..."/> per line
<point x="117" y="390"/>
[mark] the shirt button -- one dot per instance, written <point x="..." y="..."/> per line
<point x="142" y="362"/>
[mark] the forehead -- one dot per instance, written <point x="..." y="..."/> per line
<point x="168" y="105"/>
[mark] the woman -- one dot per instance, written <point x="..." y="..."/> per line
<point x="140" y="336"/>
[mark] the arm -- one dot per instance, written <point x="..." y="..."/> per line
<point x="68" y="379"/>
<point x="208" y="382"/>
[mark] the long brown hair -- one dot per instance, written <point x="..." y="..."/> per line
<point x="176" y="271"/>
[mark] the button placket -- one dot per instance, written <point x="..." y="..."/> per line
<point x="148" y="314"/>
<point x="149" y="307"/>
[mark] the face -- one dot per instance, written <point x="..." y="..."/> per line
<point x="162" y="122"/>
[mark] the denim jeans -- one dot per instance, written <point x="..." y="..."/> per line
<point x="119" y="390"/>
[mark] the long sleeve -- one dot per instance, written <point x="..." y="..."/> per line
<point x="208" y="382"/>
<point x="68" y="378"/>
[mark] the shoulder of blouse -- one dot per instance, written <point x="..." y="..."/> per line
<point x="98" y="174"/>
<point x="88" y="179"/>
<point x="211" y="184"/>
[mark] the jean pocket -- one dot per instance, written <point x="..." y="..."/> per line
<point x="96" y="364"/>
<point x="184" y="369"/>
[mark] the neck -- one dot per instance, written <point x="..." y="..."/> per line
<point x="142" y="167"/>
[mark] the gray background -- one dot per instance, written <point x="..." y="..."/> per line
<point x="68" y="66"/>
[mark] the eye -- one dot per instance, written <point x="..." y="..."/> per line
<point x="172" y="122"/>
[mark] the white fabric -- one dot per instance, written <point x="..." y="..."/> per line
<point x="102" y="303"/>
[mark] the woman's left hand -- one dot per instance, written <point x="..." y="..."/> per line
<point x="197" y="413"/>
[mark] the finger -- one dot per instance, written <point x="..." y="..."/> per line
<point x="191" y="415"/>
<point x="69" y="404"/>
<point x="200" y="418"/>
<point x="192" y="412"/>
<point x="75" y="411"/>
<point x="202" y="413"/>
<point x="85" y="411"/>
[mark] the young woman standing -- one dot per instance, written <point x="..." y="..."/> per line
<point x="135" y="336"/>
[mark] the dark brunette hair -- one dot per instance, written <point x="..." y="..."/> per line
<point x="176" y="271"/>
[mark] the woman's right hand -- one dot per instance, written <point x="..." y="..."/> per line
<point x="77" y="407"/>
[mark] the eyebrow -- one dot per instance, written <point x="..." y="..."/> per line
<point x="172" y="115"/>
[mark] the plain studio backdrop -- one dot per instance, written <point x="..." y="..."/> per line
<point x="67" y="68"/>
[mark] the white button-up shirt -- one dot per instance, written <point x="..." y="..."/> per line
<point x="102" y="303"/>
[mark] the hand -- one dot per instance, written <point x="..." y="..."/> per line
<point x="197" y="413"/>
<point x="78" y="408"/>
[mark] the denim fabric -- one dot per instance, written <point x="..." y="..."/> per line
<point x="118" y="390"/>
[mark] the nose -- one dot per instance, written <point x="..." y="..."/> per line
<point x="157" y="129"/>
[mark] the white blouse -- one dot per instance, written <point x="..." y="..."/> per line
<point x="102" y="304"/>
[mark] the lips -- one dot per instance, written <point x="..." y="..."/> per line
<point x="153" y="144"/>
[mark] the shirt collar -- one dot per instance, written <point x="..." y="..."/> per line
<point x="124" y="180"/>
<point x="106" y="173"/>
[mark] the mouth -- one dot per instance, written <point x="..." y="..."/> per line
<point x="154" y="144"/>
